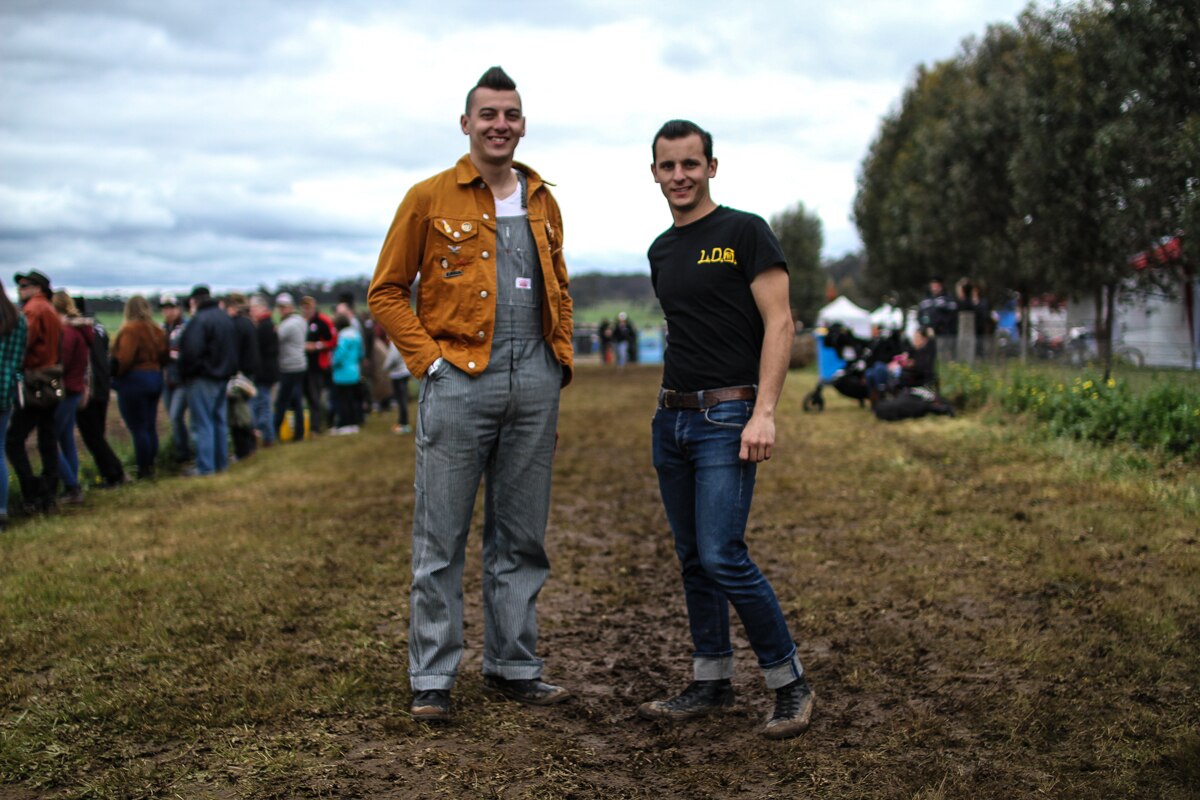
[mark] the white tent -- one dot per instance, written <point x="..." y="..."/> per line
<point x="858" y="320"/>
<point x="888" y="316"/>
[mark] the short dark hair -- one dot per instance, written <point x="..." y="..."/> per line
<point x="681" y="129"/>
<point x="495" y="78"/>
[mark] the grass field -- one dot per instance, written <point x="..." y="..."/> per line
<point x="983" y="613"/>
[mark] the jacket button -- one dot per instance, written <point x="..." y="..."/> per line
<point x="485" y="216"/>
<point x="481" y="334"/>
<point x="457" y="235"/>
<point x="470" y="365"/>
<point x="485" y="254"/>
<point x="483" y="293"/>
<point x="445" y="263"/>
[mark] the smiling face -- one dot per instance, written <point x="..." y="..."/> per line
<point x="682" y="171"/>
<point x="495" y="125"/>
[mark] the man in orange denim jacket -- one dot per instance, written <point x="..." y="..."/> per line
<point x="491" y="336"/>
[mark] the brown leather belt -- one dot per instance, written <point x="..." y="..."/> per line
<point x="668" y="398"/>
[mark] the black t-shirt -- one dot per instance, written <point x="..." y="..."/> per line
<point x="702" y="273"/>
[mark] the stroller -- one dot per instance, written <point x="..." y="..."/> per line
<point x="842" y="361"/>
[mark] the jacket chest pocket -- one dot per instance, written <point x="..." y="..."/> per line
<point x="454" y="245"/>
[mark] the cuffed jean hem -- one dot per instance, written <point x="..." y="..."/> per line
<point x="513" y="670"/>
<point x="712" y="669"/>
<point x="432" y="681"/>
<point x="780" y="675"/>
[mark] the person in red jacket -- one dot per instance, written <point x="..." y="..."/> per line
<point x="45" y="331"/>
<point x="76" y="344"/>
<point x="319" y="345"/>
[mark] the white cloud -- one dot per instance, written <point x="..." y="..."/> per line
<point x="162" y="145"/>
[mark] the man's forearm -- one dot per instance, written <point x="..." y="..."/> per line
<point x="773" y="364"/>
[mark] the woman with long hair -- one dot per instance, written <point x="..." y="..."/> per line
<point x="75" y="347"/>
<point x="12" y="353"/>
<point x="139" y="353"/>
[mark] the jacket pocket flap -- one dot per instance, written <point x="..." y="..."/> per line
<point x="456" y="229"/>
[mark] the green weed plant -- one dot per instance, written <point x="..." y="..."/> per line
<point x="1162" y="418"/>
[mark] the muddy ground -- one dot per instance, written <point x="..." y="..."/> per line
<point x="946" y="663"/>
<point x="981" y="615"/>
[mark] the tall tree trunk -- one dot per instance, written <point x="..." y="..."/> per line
<point x="1104" y="333"/>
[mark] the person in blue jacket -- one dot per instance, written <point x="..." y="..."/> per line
<point x="347" y="373"/>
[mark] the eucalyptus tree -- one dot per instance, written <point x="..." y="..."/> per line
<point x="1105" y="166"/>
<point x="900" y="208"/>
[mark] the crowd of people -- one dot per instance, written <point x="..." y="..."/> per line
<point x="231" y="373"/>
<point x="618" y="341"/>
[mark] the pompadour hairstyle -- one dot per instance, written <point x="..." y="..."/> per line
<point x="679" y="129"/>
<point x="495" y="78"/>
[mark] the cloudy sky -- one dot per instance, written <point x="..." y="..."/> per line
<point x="154" y="144"/>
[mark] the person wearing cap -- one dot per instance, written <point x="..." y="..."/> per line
<point x="293" y="365"/>
<point x="208" y="358"/>
<point x="491" y="336"/>
<point x="174" y="393"/>
<point x="43" y="342"/>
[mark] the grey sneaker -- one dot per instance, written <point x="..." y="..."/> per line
<point x="431" y="706"/>
<point x="699" y="699"/>
<point x="793" y="711"/>
<point x="532" y="691"/>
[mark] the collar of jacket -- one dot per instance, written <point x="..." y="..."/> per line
<point x="37" y="301"/>
<point x="466" y="173"/>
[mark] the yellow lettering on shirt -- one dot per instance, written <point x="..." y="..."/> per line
<point x="718" y="255"/>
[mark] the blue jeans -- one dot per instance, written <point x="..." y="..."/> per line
<point x="260" y="412"/>
<point x="175" y="402"/>
<point x="290" y="397"/>
<point x="878" y="377"/>
<point x="706" y="490"/>
<point x="137" y="399"/>
<point x="206" y="401"/>
<point x="64" y="432"/>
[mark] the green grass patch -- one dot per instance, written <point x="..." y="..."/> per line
<point x="983" y="613"/>
<point x="1160" y="417"/>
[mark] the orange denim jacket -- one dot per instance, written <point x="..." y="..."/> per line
<point x="445" y="232"/>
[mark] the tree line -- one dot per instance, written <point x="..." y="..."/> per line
<point x="1042" y="157"/>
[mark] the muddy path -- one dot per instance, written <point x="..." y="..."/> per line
<point x="949" y="660"/>
<point x="982" y="613"/>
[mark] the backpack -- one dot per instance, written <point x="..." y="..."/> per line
<point x="99" y="376"/>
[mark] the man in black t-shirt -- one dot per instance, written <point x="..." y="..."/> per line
<point x="722" y="281"/>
